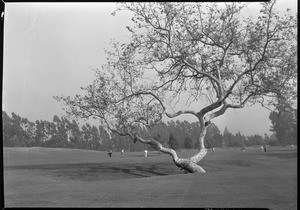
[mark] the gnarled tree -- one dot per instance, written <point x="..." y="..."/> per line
<point x="202" y="51"/>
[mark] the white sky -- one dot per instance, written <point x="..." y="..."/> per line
<point x="50" y="49"/>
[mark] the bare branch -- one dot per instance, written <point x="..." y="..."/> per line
<point x="180" y="113"/>
<point x="214" y="79"/>
<point x="222" y="111"/>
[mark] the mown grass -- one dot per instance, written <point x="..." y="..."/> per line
<point x="48" y="177"/>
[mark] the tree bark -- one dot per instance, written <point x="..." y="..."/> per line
<point x="188" y="165"/>
<point x="201" y="153"/>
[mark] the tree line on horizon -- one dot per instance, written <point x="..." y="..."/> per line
<point x="63" y="133"/>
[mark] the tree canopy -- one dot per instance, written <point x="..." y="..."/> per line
<point x="206" y="50"/>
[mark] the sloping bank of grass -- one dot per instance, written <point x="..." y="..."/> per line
<point x="80" y="178"/>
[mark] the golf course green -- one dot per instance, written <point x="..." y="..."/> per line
<point x="54" y="177"/>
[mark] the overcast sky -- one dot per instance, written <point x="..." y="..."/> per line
<point x="50" y="49"/>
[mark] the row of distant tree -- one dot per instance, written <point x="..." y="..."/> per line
<point x="62" y="133"/>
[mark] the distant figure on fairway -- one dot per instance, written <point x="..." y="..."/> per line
<point x="146" y="152"/>
<point x="292" y="147"/>
<point x="213" y="149"/>
<point x="122" y="153"/>
<point x="109" y="153"/>
<point x="265" y="148"/>
<point x="262" y="148"/>
<point x="243" y="149"/>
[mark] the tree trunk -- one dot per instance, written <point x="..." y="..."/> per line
<point x="188" y="165"/>
<point x="191" y="165"/>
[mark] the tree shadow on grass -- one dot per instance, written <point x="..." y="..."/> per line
<point x="100" y="171"/>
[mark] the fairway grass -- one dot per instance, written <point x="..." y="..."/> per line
<point x="51" y="177"/>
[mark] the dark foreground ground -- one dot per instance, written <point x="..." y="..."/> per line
<point x="44" y="177"/>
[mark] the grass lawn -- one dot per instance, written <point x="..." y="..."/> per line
<point x="48" y="177"/>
